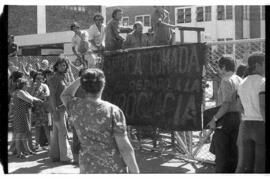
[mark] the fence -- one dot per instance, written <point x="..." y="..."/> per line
<point x="191" y="145"/>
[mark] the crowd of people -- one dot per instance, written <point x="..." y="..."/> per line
<point x="52" y="100"/>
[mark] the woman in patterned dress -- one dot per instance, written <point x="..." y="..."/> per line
<point x="40" y="115"/>
<point x="101" y="127"/>
<point x="22" y="125"/>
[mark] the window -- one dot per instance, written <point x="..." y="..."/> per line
<point x="75" y="8"/>
<point x="224" y="12"/>
<point x="145" y="19"/>
<point x="199" y="14"/>
<point x="220" y="13"/>
<point x="187" y="15"/>
<point x="203" y="14"/>
<point x="184" y="15"/>
<point x="125" y="21"/>
<point x="208" y="13"/>
<point x="229" y="12"/>
<point x="180" y="16"/>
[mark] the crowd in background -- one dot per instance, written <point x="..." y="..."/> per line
<point x="50" y="99"/>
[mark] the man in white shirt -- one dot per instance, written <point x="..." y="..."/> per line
<point x="251" y="137"/>
<point x="79" y="42"/>
<point x="97" y="33"/>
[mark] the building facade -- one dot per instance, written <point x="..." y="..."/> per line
<point x="45" y="30"/>
<point x="222" y="23"/>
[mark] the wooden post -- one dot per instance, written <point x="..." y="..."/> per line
<point x="182" y="36"/>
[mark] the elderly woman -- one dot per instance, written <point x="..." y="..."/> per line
<point x="59" y="147"/>
<point x="101" y="127"/>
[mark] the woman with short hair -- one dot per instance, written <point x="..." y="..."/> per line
<point x="101" y="127"/>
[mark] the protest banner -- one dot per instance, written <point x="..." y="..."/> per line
<point x="158" y="86"/>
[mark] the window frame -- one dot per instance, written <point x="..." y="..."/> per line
<point x="125" y="17"/>
<point x="225" y="7"/>
<point x="143" y="16"/>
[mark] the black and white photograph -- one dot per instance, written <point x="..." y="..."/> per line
<point x="150" y="88"/>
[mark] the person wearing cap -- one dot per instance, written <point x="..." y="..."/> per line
<point x="114" y="40"/>
<point x="101" y="127"/>
<point x="97" y="33"/>
<point x="136" y="38"/>
<point x="79" y="42"/>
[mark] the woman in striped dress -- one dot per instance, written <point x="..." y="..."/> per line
<point x="22" y="125"/>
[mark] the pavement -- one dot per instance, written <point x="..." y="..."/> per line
<point x="148" y="161"/>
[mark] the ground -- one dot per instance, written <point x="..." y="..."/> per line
<point x="148" y="161"/>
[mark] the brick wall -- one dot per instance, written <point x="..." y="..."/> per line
<point x="59" y="19"/>
<point x="22" y="20"/>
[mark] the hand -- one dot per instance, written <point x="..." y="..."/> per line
<point x="212" y="124"/>
<point x="61" y="108"/>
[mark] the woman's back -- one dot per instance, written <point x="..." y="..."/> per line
<point x="96" y="123"/>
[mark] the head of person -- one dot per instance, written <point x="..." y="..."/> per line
<point x="38" y="78"/>
<point x="75" y="27"/>
<point x="138" y="27"/>
<point x="11" y="38"/>
<point x="60" y="66"/>
<point x="226" y="64"/>
<point x="93" y="81"/>
<point x="98" y="19"/>
<point x="32" y="74"/>
<point x="117" y="14"/>
<point x="241" y="70"/>
<point x="16" y="75"/>
<point x="44" y="64"/>
<point x="256" y="63"/>
<point x="22" y="84"/>
<point x="81" y="71"/>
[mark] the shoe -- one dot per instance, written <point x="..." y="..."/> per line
<point x="21" y="156"/>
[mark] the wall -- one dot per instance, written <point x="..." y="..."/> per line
<point x="22" y="20"/>
<point x="59" y="19"/>
<point x="214" y="29"/>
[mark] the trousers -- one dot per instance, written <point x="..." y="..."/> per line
<point x="59" y="146"/>
<point x="251" y="145"/>
<point x="223" y="143"/>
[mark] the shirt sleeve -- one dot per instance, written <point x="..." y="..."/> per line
<point x="119" y="123"/>
<point x="227" y="91"/>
